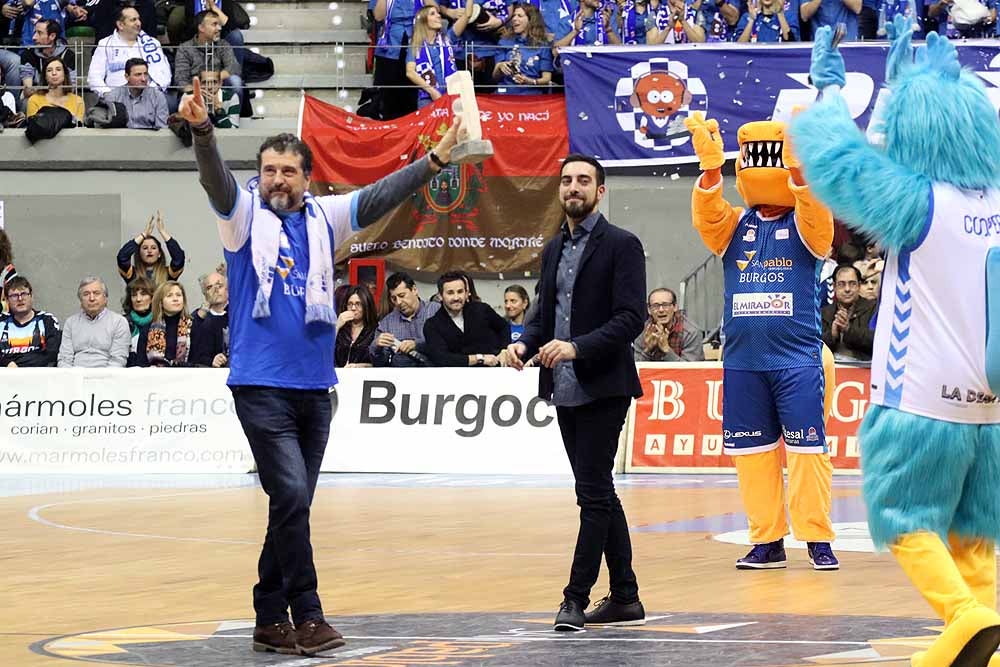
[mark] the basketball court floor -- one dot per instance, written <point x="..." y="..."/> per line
<point x="430" y="570"/>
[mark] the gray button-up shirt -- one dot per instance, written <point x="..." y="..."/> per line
<point x="567" y="391"/>
<point x="146" y="111"/>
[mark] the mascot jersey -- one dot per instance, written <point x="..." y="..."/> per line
<point x="931" y="339"/>
<point x="771" y="317"/>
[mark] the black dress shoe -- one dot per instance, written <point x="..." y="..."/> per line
<point x="608" y="612"/>
<point x="570" y="616"/>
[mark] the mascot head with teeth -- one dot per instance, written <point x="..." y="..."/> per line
<point x="761" y="176"/>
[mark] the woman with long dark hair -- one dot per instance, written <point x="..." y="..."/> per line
<point x="143" y="255"/>
<point x="356" y="328"/>
<point x="57" y="91"/>
<point x="527" y="65"/>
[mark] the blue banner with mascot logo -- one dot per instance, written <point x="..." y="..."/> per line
<point x="627" y="105"/>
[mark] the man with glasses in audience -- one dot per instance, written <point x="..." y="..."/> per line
<point x="668" y="334"/>
<point x="847" y="327"/>
<point x="28" y="337"/>
<point x="210" y="328"/>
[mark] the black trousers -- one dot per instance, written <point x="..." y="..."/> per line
<point x="868" y="24"/>
<point x="399" y="95"/>
<point x="590" y="434"/>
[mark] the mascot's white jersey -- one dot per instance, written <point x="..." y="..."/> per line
<point x="930" y="341"/>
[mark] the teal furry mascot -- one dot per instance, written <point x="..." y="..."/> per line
<point x="930" y="193"/>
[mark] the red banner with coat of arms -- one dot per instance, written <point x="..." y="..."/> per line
<point x="487" y="218"/>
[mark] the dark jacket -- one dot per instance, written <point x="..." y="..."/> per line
<point x="858" y="337"/>
<point x="485" y="333"/>
<point x="209" y="337"/>
<point x="127" y="253"/>
<point x="347" y="351"/>
<point x="609" y="308"/>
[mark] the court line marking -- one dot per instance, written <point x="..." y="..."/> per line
<point x="35" y="514"/>
<point x="555" y="636"/>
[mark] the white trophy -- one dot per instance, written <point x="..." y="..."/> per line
<point x="471" y="146"/>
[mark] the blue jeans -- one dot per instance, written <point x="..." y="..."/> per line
<point x="235" y="40"/>
<point x="10" y="65"/>
<point x="287" y="430"/>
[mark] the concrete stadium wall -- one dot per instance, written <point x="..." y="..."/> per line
<point x="72" y="201"/>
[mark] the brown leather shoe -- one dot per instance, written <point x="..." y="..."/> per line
<point x="275" y="638"/>
<point x="316" y="635"/>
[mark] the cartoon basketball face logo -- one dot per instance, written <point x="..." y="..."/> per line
<point x="660" y="94"/>
<point x="654" y="100"/>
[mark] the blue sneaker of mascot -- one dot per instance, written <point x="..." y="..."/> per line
<point x="927" y="190"/>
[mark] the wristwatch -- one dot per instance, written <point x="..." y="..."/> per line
<point x="438" y="161"/>
<point x="480" y="360"/>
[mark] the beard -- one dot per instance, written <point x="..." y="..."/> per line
<point x="278" y="200"/>
<point x="578" y="209"/>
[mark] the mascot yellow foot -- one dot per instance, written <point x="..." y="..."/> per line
<point x="972" y="629"/>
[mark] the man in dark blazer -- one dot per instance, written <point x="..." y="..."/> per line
<point x="592" y="306"/>
<point x="463" y="332"/>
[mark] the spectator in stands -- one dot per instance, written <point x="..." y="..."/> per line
<point x="29" y="337"/>
<point x="47" y="45"/>
<point x="463" y="332"/>
<point x="34" y="11"/>
<point x="102" y="15"/>
<point x="223" y="104"/>
<point x="527" y="68"/>
<point x="146" y="105"/>
<point x="10" y="61"/>
<point x="792" y="9"/>
<point x="847" y="321"/>
<point x="558" y="18"/>
<point x="137" y="306"/>
<point x="591" y="26"/>
<point x="57" y="92"/>
<point x="764" y="22"/>
<point x="167" y="341"/>
<point x="668" y="334"/>
<point x="399" y="339"/>
<point x="356" y="328"/>
<point x="143" y="255"/>
<point x="638" y="20"/>
<point x="182" y="24"/>
<point x="108" y="65"/>
<point x="210" y="324"/>
<point x="832" y="12"/>
<point x="515" y="304"/>
<point x="95" y="337"/>
<point x="398" y="98"/>
<point x="871" y="283"/>
<point x="720" y="19"/>
<point x="431" y="57"/>
<point x="205" y="51"/>
<point x="681" y="25"/>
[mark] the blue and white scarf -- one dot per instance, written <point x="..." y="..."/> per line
<point x="265" y="239"/>
<point x="601" y="35"/>
<point x="425" y="62"/>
